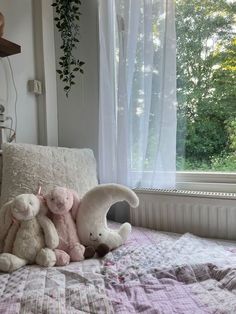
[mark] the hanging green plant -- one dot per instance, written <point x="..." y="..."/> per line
<point x="67" y="22"/>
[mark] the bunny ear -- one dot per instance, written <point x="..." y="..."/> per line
<point x="5" y="219"/>
<point x="76" y="203"/>
<point x="43" y="204"/>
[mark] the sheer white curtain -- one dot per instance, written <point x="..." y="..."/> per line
<point x="137" y="114"/>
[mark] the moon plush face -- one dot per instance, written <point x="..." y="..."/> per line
<point x="25" y="207"/>
<point x="96" y="237"/>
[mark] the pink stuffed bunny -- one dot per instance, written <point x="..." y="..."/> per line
<point x="62" y="202"/>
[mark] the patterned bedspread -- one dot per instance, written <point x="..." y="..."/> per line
<point x="153" y="272"/>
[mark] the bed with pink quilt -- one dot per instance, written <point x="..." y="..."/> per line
<point x="154" y="272"/>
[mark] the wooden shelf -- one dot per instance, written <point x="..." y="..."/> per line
<point x="8" y="48"/>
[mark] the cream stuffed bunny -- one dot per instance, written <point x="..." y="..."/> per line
<point x="35" y="238"/>
<point x="9" y="226"/>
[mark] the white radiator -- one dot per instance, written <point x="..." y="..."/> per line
<point x="205" y="214"/>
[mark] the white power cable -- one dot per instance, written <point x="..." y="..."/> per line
<point x="13" y="131"/>
<point x="6" y="81"/>
<point x="16" y="92"/>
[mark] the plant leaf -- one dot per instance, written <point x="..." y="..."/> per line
<point x="66" y="20"/>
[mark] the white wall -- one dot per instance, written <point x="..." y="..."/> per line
<point x="78" y="115"/>
<point x="19" y="29"/>
<point x="46" y="71"/>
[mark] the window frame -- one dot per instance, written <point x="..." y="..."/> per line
<point x="223" y="182"/>
<point x="198" y="181"/>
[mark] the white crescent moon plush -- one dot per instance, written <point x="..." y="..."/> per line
<point x="91" y="218"/>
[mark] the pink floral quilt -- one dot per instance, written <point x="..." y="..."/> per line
<point x="153" y="272"/>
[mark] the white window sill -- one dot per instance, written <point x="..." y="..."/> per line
<point x="218" y="182"/>
<point x="206" y="181"/>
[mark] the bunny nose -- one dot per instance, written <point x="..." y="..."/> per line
<point x="59" y="204"/>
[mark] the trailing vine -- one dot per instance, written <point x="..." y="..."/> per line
<point x="67" y="22"/>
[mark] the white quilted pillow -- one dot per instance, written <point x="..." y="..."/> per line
<point x="27" y="166"/>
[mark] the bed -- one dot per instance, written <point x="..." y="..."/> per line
<point x="154" y="272"/>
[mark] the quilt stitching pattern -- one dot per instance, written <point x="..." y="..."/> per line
<point x="153" y="272"/>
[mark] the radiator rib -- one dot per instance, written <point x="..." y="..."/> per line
<point x="201" y="214"/>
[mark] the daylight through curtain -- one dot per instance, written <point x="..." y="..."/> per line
<point x="137" y="113"/>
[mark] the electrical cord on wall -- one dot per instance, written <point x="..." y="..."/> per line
<point x="12" y="135"/>
<point x="10" y="118"/>
<point x="16" y="92"/>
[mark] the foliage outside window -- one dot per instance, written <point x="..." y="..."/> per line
<point x="206" y="85"/>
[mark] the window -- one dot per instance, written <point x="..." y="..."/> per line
<point x="206" y="85"/>
<point x="206" y="94"/>
<point x="138" y="104"/>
